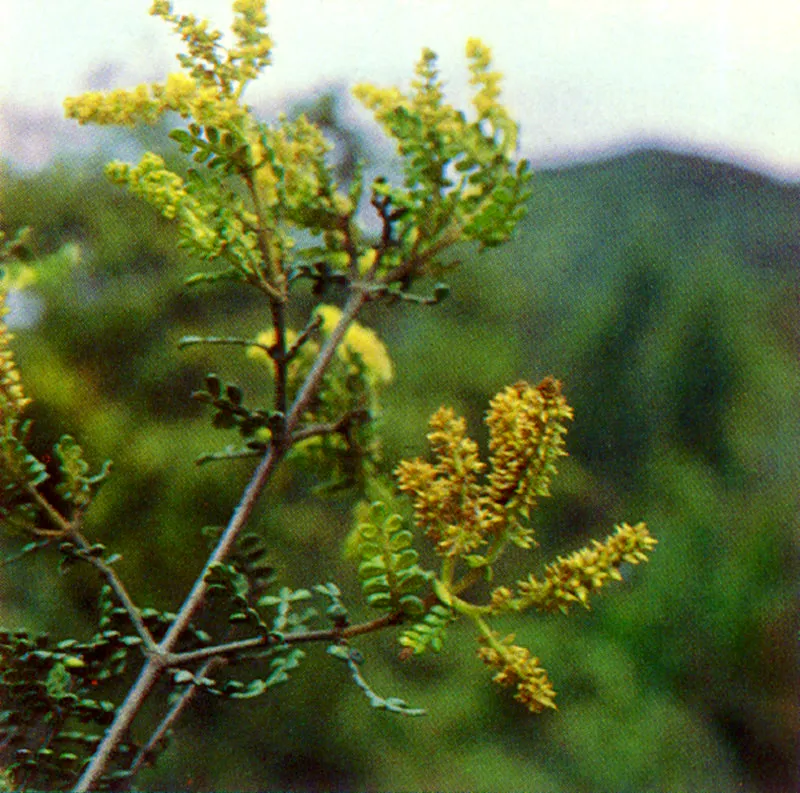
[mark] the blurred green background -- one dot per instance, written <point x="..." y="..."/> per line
<point x="660" y="288"/>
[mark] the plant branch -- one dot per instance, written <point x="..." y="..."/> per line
<point x="330" y="428"/>
<point x="166" y="723"/>
<point x="120" y="591"/>
<point x="213" y="656"/>
<point x="313" y="324"/>
<point x="414" y="264"/>
<point x="156" y="662"/>
<point x="116" y="732"/>
<point x="70" y="529"/>
<point x="313" y="380"/>
<point x="279" y="358"/>
<point x="275" y="287"/>
<point x="188" y="341"/>
<point x="276" y="640"/>
<point x="65" y="527"/>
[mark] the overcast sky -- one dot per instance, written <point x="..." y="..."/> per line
<point x="720" y="77"/>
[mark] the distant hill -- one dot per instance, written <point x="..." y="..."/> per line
<point x="687" y="202"/>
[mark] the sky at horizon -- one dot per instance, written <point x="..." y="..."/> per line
<point x="584" y="77"/>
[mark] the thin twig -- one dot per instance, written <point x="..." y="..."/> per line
<point x="313" y="324"/>
<point x="188" y="341"/>
<point x="275" y="640"/>
<point x="414" y="264"/>
<point x="275" y="286"/>
<point x="29" y="548"/>
<point x="279" y="360"/>
<point x="69" y="529"/>
<point x="120" y="591"/>
<point x="330" y="428"/>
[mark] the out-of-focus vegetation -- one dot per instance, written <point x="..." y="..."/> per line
<point x="661" y="289"/>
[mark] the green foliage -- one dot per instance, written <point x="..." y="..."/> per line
<point x="19" y="467"/>
<point x="280" y="665"/>
<point x="231" y="413"/>
<point x="51" y="715"/>
<point x="354" y="659"/>
<point x="452" y="167"/>
<point x="430" y="631"/>
<point x="388" y="571"/>
<point x="75" y="485"/>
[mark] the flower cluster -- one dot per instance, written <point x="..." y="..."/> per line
<point x="208" y="91"/>
<point x="519" y="669"/>
<point x="210" y="88"/>
<point x="254" y="49"/>
<point x="286" y="178"/>
<point x="145" y="104"/>
<point x="456" y="509"/>
<point x="573" y="578"/>
<point x="488" y="82"/>
<point x="446" y="494"/>
<point x="462" y="503"/>
<point x="360" y="343"/>
<point x="243" y="61"/>
<point x="151" y="180"/>
<point x="527" y="429"/>
<point x="348" y="403"/>
<point x="120" y="107"/>
<point x="12" y="397"/>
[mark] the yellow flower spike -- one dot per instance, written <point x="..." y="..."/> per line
<point x="501" y="598"/>
<point x="519" y="669"/>
<point x="12" y="396"/>
<point x="447" y="495"/>
<point x="478" y="53"/>
<point x="418" y="477"/>
<point x="119" y="107"/>
<point x="153" y="181"/>
<point x="208" y="93"/>
<point x="382" y="101"/>
<point x="526" y="426"/>
<point x="488" y="82"/>
<point x="526" y="437"/>
<point x="254" y="48"/>
<point x="486" y="100"/>
<point x="161" y="8"/>
<point x="575" y="577"/>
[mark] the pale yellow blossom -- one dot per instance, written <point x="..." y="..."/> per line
<point x="361" y="341"/>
